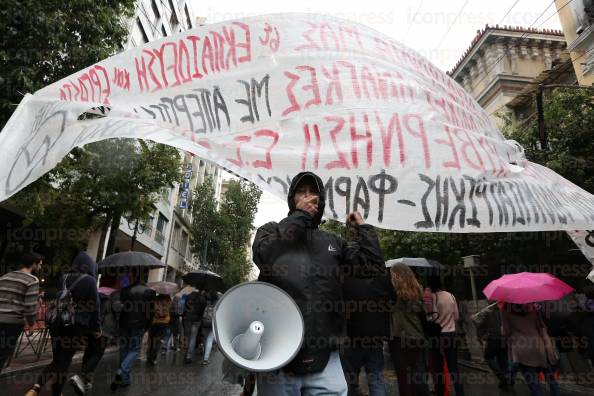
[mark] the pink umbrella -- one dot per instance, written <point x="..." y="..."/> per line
<point x="526" y="287"/>
<point x="106" y="290"/>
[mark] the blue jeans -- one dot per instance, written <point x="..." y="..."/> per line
<point x="157" y="333"/>
<point x="130" y="342"/>
<point x="372" y="359"/>
<point x="191" y="332"/>
<point x="209" y="338"/>
<point x="531" y="376"/>
<point x="329" y="382"/>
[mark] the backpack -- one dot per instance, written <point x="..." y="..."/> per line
<point x="432" y="328"/>
<point x="111" y="308"/>
<point x="207" y="316"/>
<point x="61" y="311"/>
<point x="162" y="310"/>
<point x="180" y="304"/>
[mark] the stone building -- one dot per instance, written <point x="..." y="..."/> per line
<point x="577" y="20"/>
<point x="505" y="62"/>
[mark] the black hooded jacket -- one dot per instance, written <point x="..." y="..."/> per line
<point x="310" y="265"/>
<point x="137" y="306"/>
<point x="84" y="293"/>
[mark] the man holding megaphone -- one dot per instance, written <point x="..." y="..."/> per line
<point x="309" y="264"/>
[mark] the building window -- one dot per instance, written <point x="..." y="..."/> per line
<point x="148" y="225"/>
<point x="161" y="226"/>
<point x="155" y="10"/>
<point x="183" y="243"/>
<point x="139" y="35"/>
<point x="176" y="236"/>
<point x="188" y="19"/>
<point x="173" y="21"/>
<point x="166" y="194"/>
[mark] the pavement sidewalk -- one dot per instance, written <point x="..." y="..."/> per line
<point x="566" y="383"/>
<point x="27" y="360"/>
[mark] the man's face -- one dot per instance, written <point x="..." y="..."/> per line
<point x="305" y="189"/>
<point x="36" y="268"/>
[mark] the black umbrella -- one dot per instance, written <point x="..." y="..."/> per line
<point x="415" y="262"/>
<point x="205" y="280"/>
<point x="130" y="260"/>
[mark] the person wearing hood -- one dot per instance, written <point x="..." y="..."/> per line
<point x="95" y="349"/>
<point x="135" y="319"/>
<point x="80" y="280"/>
<point x="309" y="264"/>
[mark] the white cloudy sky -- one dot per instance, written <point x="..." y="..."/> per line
<point x="435" y="28"/>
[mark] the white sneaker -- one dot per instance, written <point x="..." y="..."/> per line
<point x="79" y="385"/>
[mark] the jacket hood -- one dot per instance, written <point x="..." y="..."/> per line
<point x="320" y="185"/>
<point x="84" y="264"/>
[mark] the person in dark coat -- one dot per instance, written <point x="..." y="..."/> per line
<point x="367" y="305"/>
<point x="66" y="341"/>
<point x="309" y="264"/>
<point x="192" y="318"/>
<point x="206" y="325"/>
<point x="585" y="323"/>
<point x="581" y="323"/>
<point x="135" y="319"/>
<point x="110" y="308"/>
<point x="488" y="326"/>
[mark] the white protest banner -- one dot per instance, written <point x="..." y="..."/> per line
<point x="584" y="239"/>
<point x="267" y="97"/>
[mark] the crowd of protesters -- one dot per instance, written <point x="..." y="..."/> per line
<point x="82" y="318"/>
<point x="413" y="316"/>
<point x="374" y="309"/>
<point x="410" y="312"/>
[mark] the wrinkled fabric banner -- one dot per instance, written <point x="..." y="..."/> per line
<point x="267" y="97"/>
<point x="584" y="239"/>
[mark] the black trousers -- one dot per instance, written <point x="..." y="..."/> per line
<point x="9" y="335"/>
<point x="496" y="357"/>
<point x="448" y="349"/>
<point x="93" y="355"/>
<point x="408" y="356"/>
<point x="65" y="343"/>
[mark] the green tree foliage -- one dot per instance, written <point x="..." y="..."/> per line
<point x="45" y="41"/>
<point x="95" y="186"/>
<point x="224" y="234"/>
<point x="205" y="222"/>
<point x="569" y="122"/>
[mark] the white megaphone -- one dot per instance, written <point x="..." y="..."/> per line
<point x="258" y="326"/>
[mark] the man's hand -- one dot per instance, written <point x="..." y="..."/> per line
<point x="355" y="218"/>
<point x="309" y="204"/>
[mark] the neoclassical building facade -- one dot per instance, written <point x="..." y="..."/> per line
<point x="504" y="63"/>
